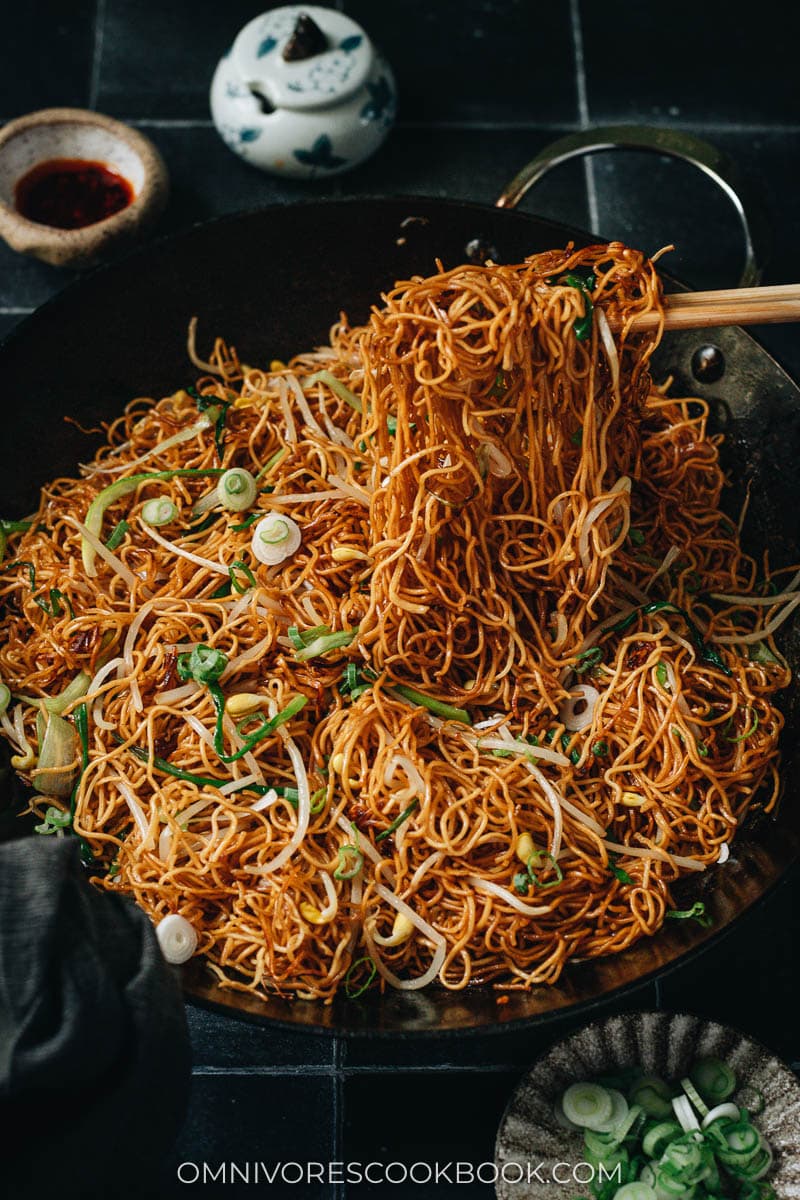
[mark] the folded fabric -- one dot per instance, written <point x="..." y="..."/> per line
<point x="94" y="1049"/>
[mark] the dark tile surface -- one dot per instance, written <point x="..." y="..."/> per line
<point x="55" y="42"/>
<point x="512" y="1049"/>
<point x="248" y="1120"/>
<point x="475" y="60"/>
<point x="693" y="62"/>
<point x="219" y="1042"/>
<point x="157" y="59"/>
<point x="405" y="1119"/>
<point x="749" y="980"/>
<point x="484" y="85"/>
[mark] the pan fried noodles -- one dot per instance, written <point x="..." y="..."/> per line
<point x="450" y="676"/>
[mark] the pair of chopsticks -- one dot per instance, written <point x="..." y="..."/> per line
<point x="736" y="306"/>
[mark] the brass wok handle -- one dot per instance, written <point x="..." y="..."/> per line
<point x="717" y="165"/>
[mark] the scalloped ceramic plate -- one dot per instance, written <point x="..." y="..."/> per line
<point x="664" y="1044"/>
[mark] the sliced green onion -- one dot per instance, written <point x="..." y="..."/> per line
<point x="53" y="608"/>
<point x="238" y="565"/>
<point x="398" y="821"/>
<point x="159" y="511"/>
<point x="336" y="386"/>
<point x="54" y="774"/>
<point x="587" y="1104"/>
<point x="263" y="730"/>
<point x="351" y="860"/>
<point x="251" y="520"/>
<point x="714" y="1079"/>
<point x="270" y="463"/>
<point x="236" y="489"/>
<point x="448" y="712"/>
<point x="661" y="675"/>
<point x="302" y="638"/>
<point x="354" y="990"/>
<point x="705" y="651"/>
<point x="202" y="664"/>
<point x="694" y="1097"/>
<point x="275" y="538"/>
<point x="542" y="855"/>
<point x="658" y="1137"/>
<point x="696" y="913"/>
<point x="588" y="659"/>
<point x="55" y="819"/>
<point x="600" y="749"/>
<point x="123" y="487"/>
<point x="743" y="736"/>
<point x="216" y="410"/>
<point x="117" y="535"/>
<point x="200" y="781"/>
<point x="637" y="1190"/>
<point x="636" y="536"/>
<point x="618" y="872"/>
<point x="325" y="643"/>
<point x="653" y="1095"/>
<point x="761" y="653"/>
<point x="5" y="698"/>
<point x="72" y="692"/>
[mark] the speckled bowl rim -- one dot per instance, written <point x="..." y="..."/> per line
<point x="154" y="174"/>
<point x="771" y="1058"/>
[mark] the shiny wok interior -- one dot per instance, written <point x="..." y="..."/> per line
<point x="272" y="282"/>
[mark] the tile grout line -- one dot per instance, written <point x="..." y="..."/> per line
<point x="583" y="111"/>
<point x="698" y="127"/>
<point x="97" y="54"/>
<point x="339" y="1073"/>
<point x="338" y="1191"/>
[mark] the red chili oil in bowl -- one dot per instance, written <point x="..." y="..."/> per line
<point x="71" y="193"/>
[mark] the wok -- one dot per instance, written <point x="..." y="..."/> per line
<point x="272" y="282"/>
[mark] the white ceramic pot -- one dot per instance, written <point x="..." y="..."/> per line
<point x="309" y="117"/>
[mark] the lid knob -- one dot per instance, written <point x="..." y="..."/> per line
<point x="306" y="41"/>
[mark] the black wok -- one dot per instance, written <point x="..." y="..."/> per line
<point x="272" y="282"/>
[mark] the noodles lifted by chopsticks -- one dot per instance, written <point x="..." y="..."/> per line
<point x="438" y="688"/>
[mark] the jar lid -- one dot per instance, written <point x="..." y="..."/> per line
<point x="325" y="77"/>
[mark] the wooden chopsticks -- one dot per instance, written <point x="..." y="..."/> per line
<point x="736" y="306"/>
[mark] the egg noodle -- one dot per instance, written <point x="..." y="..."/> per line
<point x="462" y="672"/>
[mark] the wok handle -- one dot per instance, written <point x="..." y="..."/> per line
<point x="675" y="144"/>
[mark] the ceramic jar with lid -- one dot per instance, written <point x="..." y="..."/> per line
<point x="303" y="93"/>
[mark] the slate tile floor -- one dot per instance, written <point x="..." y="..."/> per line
<point x="485" y="84"/>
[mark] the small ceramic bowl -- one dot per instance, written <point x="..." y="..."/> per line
<point x="534" y="1155"/>
<point x="76" y="133"/>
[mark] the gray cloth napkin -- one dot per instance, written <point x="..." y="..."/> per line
<point x="94" y="1050"/>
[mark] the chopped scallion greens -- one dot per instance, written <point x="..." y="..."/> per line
<point x="123" y="487"/>
<point x="353" y="989"/>
<point x="706" y="652"/>
<point x="238" y="565"/>
<point x="618" y="872"/>
<point x="747" y="733"/>
<point x="251" y="520"/>
<point x="661" y="675"/>
<point x="398" y="821"/>
<point x="351" y="860"/>
<point x="636" y="536"/>
<point x="696" y="913"/>
<point x="325" y="643"/>
<point x="117" y="535"/>
<point x="202" y="664"/>
<point x="159" y="511"/>
<point x="600" y="749"/>
<point x="216" y="409"/>
<point x="337" y="387"/>
<point x="587" y="659"/>
<point x="448" y="712"/>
